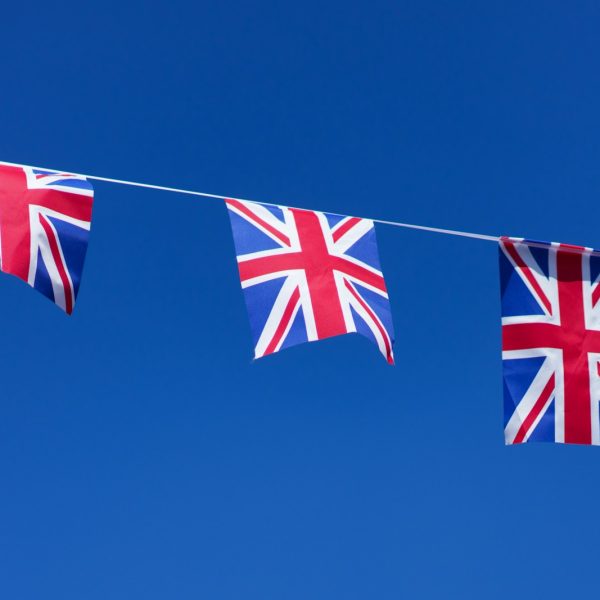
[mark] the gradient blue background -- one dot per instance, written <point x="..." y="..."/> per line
<point x="142" y="453"/>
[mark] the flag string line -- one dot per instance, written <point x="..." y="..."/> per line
<point x="163" y="188"/>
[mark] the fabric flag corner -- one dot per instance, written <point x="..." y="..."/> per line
<point x="309" y="275"/>
<point x="45" y="220"/>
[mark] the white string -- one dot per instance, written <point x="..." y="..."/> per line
<point x="476" y="236"/>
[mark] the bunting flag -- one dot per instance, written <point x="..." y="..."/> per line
<point x="309" y="275"/>
<point x="550" y="341"/>
<point x="45" y="220"/>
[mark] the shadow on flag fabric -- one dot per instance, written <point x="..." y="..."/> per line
<point x="550" y="342"/>
<point x="45" y="220"/>
<point x="308" y="276"/>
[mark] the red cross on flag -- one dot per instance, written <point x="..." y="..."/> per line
<point x="550" y="342"/>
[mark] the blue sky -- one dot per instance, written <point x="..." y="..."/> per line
<point x="143" y="454"/>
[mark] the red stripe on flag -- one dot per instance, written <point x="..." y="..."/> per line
<point x="345" y="228"/>
<point x="535" y="411"/>
<point x="510" y="247"/>
<point x="596" y="295"/>
<point x="283" y="323"/>
<point x="248" y="213"/>
<point x="384" y="334"/>
<point x="53" y="242"/>
<point x="578" y="416"/>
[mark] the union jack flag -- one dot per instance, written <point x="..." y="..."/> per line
<point x="550" y="342"/>
<point x="309" y="275"/>
<point x="45" y="220"/>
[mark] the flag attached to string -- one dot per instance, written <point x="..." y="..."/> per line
<point x="309" y="275"/>
<point x="550" y="342"/>
<point x="45" y="220"/>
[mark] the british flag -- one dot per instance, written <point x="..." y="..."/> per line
<point x="309" y="275"/>
<point x="45" y="220"/>
<point x="550" y="341"/>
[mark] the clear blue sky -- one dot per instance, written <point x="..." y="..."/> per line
<point x="142" y="453"/>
